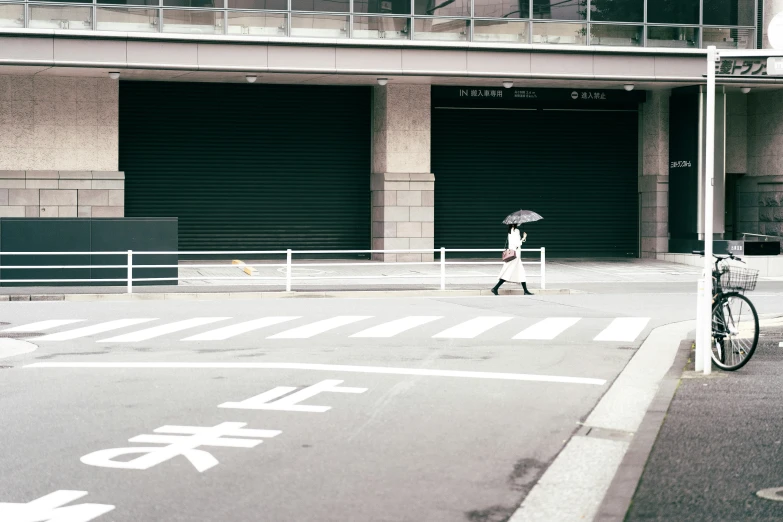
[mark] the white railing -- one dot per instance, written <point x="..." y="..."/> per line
<point x="289" y="265"/>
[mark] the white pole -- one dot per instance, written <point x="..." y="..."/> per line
<point x="130" y="271"/>
<point x="699" y="358"/>
<point x="442" y="268"/>
<point x="288" y="270"/>
<point x="709" y="171"/>
<point x="543" y="268"/>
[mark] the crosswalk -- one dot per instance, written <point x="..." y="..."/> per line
<point x="134" y="330"/>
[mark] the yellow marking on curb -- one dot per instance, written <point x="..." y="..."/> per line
<point x="249" y="270"/>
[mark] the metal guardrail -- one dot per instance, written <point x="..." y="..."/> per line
<point x="760" y="235"/>
<point x="289" y="265"/>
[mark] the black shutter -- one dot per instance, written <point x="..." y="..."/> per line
<point x="249" y="167"/>
<point x="578" y="169"/>
<point x="760" y="25"/>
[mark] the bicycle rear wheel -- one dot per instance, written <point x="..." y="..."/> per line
<point x="735" y="331"/>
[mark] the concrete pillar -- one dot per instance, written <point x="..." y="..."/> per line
<point x="403" y="188"/>
<point x="761" y="191"/>
<point x="59" y="147"/>
<point x="654" y="174"/>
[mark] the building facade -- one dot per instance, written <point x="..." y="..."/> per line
<point x="390" y="124"/>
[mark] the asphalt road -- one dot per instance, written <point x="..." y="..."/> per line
<point x="452" y="419"/>
<point x="722" y="442"/>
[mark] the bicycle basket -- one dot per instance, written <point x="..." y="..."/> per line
<point x="738" y="278"/>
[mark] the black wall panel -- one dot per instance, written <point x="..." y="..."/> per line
<point x="249" y="167"/>
<point x="577" y="168"/>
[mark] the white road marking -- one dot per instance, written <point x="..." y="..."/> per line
<point x="780" y="345"/>
<point x="325" y="368"/>
<point x="623" y="329"/>
<point x="472" y="328"/>
<point x="228" y="332"/>
<point x="11" y="347"/>
<point x="398" y="326"/>
<point x="270" y="400"/>
<point x="157" y="331"/>
<point x="52" y="507"/>
<point x="547" y="329"/>
<point x="42" y="325"/>
<point x="309" y="330"/>
<point x="91" y="330"/>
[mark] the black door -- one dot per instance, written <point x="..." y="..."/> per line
<point x="249" y="167"/>
<point x="577" y="168"/>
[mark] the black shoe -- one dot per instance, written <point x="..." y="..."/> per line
<point x="494" y="291"/>
<point x="528" y="293"/>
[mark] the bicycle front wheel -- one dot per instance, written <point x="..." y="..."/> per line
<point x="735" y="331"/>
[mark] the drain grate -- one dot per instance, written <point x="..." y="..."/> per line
<point x="19" y="335"/>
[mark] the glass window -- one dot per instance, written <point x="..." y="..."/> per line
<point x="131" y="20"/>
<point x="617" y="10"/>
<point x="502" y="8"/>
<point x="560" y="9"/>
<point x="329" y="6"/>
<point x="729" y="12"/>
<point x="11" y="15"/>
<point x="673" y="11"/>
<point x="257" y="24"/>
<point x="564" y="34"/>
<point x="280" y="5"/>
<point x="500" y="31"/>
<point x="129" y="2"/>
<point x="382" y="6"/>
<point x="443" y="29"/>
<point x="376" y="27"/>
<point x="60" y="17"/>
<point x="672" y="37"/>
<point x="443" y="7"/>
<point x="193" y="3"/>
<point x="319" y="26"/>
<point x="192" y="22"/>
<point x="728" y="38"/>
<point x="618" y="35"/>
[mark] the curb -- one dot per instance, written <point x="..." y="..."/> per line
<point x="214" y="296"/>
<point x="617" y="500"/>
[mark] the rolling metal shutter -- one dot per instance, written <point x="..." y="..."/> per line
<point x="249" y="167"/>
<point x="577" y="168"/>
<point x="760" y="25"/>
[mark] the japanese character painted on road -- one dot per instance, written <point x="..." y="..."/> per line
<point x="266" y="400"/>
<point x="49" y="508"/>
<point x="184" y="443"/>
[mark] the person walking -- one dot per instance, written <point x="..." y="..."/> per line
<point x="514" y="270"/>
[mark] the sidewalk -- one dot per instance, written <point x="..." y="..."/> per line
<point x="721" y="442"/>
<point x="562" y="276"/>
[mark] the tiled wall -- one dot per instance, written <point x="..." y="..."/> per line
<point x="53" y="194"/>
<point x="58" y="123"/>
<point x="403" y="189"/>
<point x="654" y="179"/>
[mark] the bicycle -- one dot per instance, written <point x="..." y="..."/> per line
<point x="735" y="323"/>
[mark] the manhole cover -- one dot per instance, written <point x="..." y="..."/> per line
<point x="19" y="335"/>
<point x="771" y="494"/>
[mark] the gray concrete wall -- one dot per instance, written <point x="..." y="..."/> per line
<point x="58" y="123"/>
<point x="403" y="188"/>
<point x="61" y="194"/>
<point x="654" y="174"/>
<point x="736" y="133"/>
<point x="761" y="191"/>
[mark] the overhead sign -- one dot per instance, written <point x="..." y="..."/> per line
<point x="741" y="67"/>
<point x="775" y="66"/>
<point x="500" y="96"/>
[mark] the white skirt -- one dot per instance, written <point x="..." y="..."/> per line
<point x="513" y="271"/>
